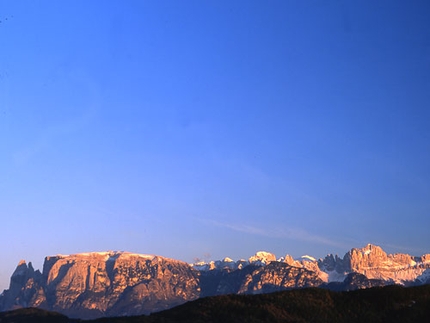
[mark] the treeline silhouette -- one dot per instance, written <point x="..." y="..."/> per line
<point x="380" y="304"/>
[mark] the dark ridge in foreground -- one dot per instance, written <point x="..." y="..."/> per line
<point x="392" y="304"/>
<point x="33" y="315"/>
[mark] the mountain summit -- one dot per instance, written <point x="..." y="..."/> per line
<point x="102" y="283"/>
<point x="98" y="284"/>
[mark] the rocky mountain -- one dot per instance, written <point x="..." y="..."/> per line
<point x="372" y="262"/>
<point x="102" y="284"/>
<point x="94" y="285"/>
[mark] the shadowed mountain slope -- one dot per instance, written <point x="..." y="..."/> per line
<point x="392" y="304"/>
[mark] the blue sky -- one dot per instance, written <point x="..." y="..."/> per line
<point x="205" y="129"/>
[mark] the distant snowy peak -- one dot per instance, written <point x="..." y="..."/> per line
<point x="262" y="258"/>
<point x="370" y="261"/>
<point x="309" y="258"/>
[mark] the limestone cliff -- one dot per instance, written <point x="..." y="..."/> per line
<point x="374" y="263"/>
<point x="98" y="284"/>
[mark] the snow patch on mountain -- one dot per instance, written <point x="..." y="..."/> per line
<point x="370" y="261"/>
<point x="306" y="257"/>
<point x="262" y="258"/>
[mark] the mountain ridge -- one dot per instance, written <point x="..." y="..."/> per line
<point x="115" y="283"/>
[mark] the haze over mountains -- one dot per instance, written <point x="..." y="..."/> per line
<point x="98" y="284"/>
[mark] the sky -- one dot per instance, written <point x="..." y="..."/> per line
<point x="206" y="129"/>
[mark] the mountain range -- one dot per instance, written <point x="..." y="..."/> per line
<point x="99" y="284"/>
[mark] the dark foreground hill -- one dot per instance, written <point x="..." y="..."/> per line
<point x="381" y="304"/>
<point x="32" y="315"/>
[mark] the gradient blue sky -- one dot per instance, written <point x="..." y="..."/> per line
<point x="205" y="129"/>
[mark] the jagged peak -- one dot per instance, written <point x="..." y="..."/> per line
<point x="264" y="254"/>
<point x="309" y="258"/>
<point x="262" y="257"/>
<point x="23" y="268"/>
<point x="368" y="248"/>
<point x="288" y="259"/>
<point x="227" y="259"/>
<point x="22" y="262"/>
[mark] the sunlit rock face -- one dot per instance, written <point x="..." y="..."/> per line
<point x="367" y="257"/>
<point x="101" y="284"/>
<point x="372" y="262"/>
<point x="98" y="284"/>
<point x="262" y="258"/>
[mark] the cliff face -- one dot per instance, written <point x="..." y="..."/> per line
<point x="99" y="284"/>
<point x="372" y="262"/>
<point x="367" y="257"/>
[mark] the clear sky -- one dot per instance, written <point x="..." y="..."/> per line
<point x="205" y="129"/>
